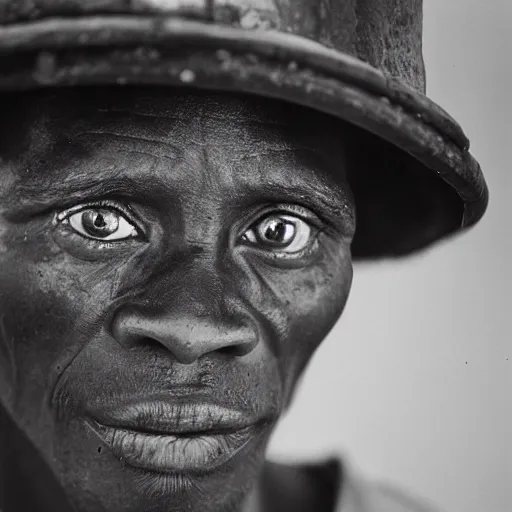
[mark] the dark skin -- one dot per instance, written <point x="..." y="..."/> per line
<point x="226" y="263"/>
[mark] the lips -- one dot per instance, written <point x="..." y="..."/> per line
<point x="173" y="438"/>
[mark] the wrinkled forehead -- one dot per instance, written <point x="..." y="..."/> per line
<point x="215" y="117"/>
<point x="86" y="135"/>
<point x="172" y="103"/>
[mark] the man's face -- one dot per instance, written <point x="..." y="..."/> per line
<point x="168" y="265"/>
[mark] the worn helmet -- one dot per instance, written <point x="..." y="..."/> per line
<point x="360" y="61"/>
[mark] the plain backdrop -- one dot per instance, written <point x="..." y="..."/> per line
<point x="414" y="384"/>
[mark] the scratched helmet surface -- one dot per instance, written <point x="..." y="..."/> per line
<point x="357" y="60"/>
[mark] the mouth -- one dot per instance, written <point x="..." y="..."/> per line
<point x="174" y="438"/>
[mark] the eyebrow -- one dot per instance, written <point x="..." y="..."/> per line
<point x="24" y="200"/>
<point x="334" y="206"/>
<point x="40" y="192"/>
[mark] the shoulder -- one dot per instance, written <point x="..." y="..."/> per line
<point x="331" y="486"/>
<point x="386" y="498"/>
<point x="359" y="495"/>
<point x="300" y="487"/>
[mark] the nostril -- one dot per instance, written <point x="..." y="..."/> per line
<point x="238" y="349"/>
<point x="149" y="344"/>
<point x="230" y="350"/>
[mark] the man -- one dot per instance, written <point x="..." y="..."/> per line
<point x="171" y="257"/>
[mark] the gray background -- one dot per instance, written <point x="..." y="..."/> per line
<point x="414" y="383"/>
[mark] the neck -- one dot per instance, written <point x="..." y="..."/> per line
<point x="253" y="502"/>
<point x="296" y="488"/>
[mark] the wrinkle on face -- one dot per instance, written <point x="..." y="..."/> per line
<point x="196" y="171"/>
<point x="246" y="139"/>
<point x="163" y="158"/>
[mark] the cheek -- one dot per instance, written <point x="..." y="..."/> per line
<point x="299" y="307"/>
<point x="33" y="332"/>
<point x="317" y="299"/>
<point x="41" y="305"/>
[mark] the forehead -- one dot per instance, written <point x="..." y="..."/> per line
<point x="82" y="135"/>
<point x="247" y="119"/>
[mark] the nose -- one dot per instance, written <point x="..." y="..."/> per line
<point x="186" y="337"/>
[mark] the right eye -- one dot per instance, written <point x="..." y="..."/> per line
<point x="106" y="223"/>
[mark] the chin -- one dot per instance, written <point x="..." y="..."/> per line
<point x="107" y="484"/>
<point x="178" y="492"/>
<point x="139" y="490"/>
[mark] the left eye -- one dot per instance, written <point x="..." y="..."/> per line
<point x="283" y="233"/>
<point x="105" y="224"/>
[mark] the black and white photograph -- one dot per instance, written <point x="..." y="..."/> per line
<point x="255" y="256"/>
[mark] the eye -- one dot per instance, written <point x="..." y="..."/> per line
<point x="104" y="223"/>
<point x="279" y="232"/>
